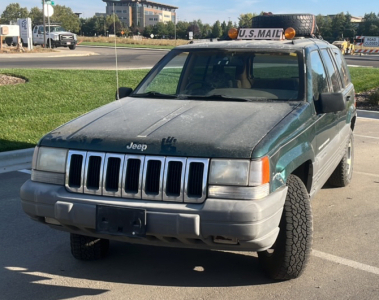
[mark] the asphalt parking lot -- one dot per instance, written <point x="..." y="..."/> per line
<point x="35" y="261"/>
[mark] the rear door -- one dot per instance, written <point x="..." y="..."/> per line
<point x="347" y="89"/>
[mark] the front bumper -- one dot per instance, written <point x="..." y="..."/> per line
<point x="252" y="225"/>
<point x="63" y="43"/>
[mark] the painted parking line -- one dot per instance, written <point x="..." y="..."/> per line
<point x="25" y="171"/>
<point x="346" y="262"/>
<point x="367" y="137"/>
<point x="366" y="174"/>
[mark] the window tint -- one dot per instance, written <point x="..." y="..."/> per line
<point x="319" y="79"/>
<point x="275" y="65"/>
<point x="341" y="65"/>
<point x="166" y="81"/>
<point x="331" y="70"/>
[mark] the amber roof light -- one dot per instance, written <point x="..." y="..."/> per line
<point x="233" y="33"/>
<point x="290" y="33"/>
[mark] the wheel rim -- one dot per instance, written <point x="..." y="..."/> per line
<point x="349" y="158"/>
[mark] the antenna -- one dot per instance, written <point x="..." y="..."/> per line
<point x="115" y="51"/>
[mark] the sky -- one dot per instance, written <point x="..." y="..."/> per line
<point x="209" y="11"/>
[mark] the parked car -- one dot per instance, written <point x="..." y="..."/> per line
<point x="221" y="146"/>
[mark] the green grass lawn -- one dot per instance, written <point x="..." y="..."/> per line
<point x="53" y="97"/>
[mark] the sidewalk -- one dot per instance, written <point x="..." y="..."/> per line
<point x="60" y="52"/>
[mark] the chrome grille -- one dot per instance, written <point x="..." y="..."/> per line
<point x="67" y="37"/>
<point x="156" y="178"/>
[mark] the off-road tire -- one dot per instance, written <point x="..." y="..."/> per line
<point x="304" y="24"/>
<point x="343" y="173"/>
<point x="289" y="256"/>
<point x="88" y="248"/>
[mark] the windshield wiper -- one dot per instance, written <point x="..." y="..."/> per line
<point x="221" y="97"/>
<point x="153" y="94"/>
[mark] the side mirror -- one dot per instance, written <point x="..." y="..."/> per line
<point x="331" y="102"/>
<point x="123" y="92"/>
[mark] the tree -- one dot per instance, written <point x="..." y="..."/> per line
<point x="36" y="15"/>
<point x="338" y="26"/>
<point x="195" y="29"/>
<point x="370" y="25"/>
<point x="324" y="24"/>
<point x="64" y="16"/>
<point x="244" y="20"/>
<point x="13" y="12"/>
<point x="216" y="29"/>
<point x="148" y="31"/>
<point x="160" y="29"/>
<point x="206" y="31"/>
<point x="170" y="29"/>
<point x="181" y="29"/>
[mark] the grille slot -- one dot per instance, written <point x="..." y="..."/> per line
<point x="195" y="181"/>
<point x="153" y="177"/>
<point x="138" y="177"/>
<point x="174" y="175"/>
<point x="132" y="184"/>
<point x="75" y="180"/>
<point x="113" y="174"/>
<point x="93" y="173"/>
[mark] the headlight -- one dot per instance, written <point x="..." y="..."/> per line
<point x="51" y="160"/>
<point x="229" y="172"/>
<point x="56" y="37"/>
<point x="239" y="179"/>
<point x="49" y="165"/>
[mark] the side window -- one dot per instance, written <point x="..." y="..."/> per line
<point x="319" y="79"/>
<point x="166" y="82"/>
<point x="341" y="65"/>
<point x="331" y="70"/>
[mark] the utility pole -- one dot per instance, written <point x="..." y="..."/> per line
<point x="44" y="23"/>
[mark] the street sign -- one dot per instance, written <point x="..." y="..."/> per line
<point x="49" y="2"/>
<point x="49" y="10"/>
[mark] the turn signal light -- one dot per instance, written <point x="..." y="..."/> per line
<point x="233" y="33"/>
<point x="289" y="33"/>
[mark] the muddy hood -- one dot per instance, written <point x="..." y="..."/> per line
<point x="171" y="127"/>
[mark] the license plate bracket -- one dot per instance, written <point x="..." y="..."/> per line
<point x="116" y="220"/>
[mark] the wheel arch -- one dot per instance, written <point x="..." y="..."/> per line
<point x="297" y="161"/>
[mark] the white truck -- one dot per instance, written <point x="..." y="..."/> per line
<point x="56" y="35"/>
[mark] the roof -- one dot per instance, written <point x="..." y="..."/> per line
<point x="144" y="2"/>
<point x="296" y="44"/>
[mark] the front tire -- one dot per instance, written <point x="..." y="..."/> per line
<point x="72" y="47"/>
<point x="343" y="173"/>
<point x="88" y="248"/>
<point x="289" y="256"/>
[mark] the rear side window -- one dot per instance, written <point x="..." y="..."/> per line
<point x="341" y="65"/>
<point x="331" y="70"/>
<point x="319" y="80"/>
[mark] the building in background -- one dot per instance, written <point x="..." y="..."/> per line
<point x="141" y="13"/>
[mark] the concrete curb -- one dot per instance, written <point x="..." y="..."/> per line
<point x="368" y="114"/>
<point x="22" y="159"/>
<point x="16" y="160"/>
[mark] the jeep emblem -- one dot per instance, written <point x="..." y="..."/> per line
<point x="141" y="147"/>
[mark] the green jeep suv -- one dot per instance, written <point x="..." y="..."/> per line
<point x="221" y="146"/>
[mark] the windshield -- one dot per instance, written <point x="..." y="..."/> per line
<point x="55" y="28"/>
<point x="220" y="74"/>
